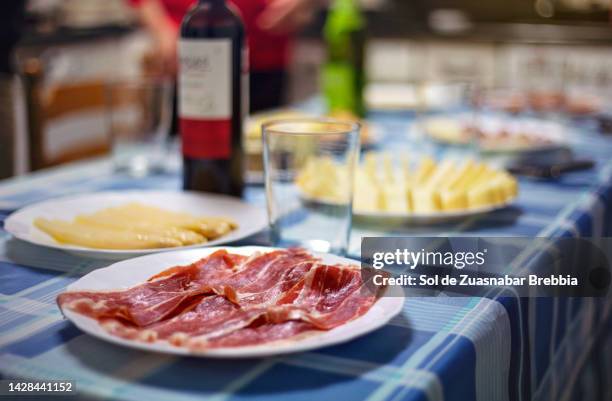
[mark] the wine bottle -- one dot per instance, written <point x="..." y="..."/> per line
<point x="212" y="89"/>
<point x="343" y="73"/>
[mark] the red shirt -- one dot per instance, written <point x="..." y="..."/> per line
<point x="267" y="51"/>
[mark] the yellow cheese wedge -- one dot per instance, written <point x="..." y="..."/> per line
<point x="486" y="190"/>
<point x="370" y="165"/>
<point x="425" y="198"/>
<point x="425" y="169"/>
<point x="453" y="200"/>
<point x="393" y="187"/>
<point x="452" y="195"/>
<point x="480" y="196"/>
<point x="365" y="201"/>
<point x="470" y="178"/>
<point x="510" y="185"/>
<point x="496" y="187"/>
<point x="389" y="170"/>
<point x="407" y="178"/>
<point x="394" y="197"/>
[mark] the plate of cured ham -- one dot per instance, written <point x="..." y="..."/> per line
<point x="230" y="302"/>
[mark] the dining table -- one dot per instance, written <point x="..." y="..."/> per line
<point x="437" y="348"/>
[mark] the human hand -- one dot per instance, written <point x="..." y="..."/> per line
<point x="162" y="59"/>
<point x="283" y="16"/>
<point x="166" y="46"/>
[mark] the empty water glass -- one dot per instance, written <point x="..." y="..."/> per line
<point x="314" y="214"/>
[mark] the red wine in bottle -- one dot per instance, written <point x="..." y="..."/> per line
<point x="212" y="72"/>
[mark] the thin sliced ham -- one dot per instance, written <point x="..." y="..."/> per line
<point x="330" y="296"/>
<point x="160" y="296"/>
<point x="227" y="300"/>
<point x="259" y="334"/>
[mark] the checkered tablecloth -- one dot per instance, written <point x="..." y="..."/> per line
<point x="437" y="349"/>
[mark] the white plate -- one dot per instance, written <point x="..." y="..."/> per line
<point x="554" y="133"/>
<point x="20" y="224"/>
<point x="414" y="218"/>
<point x="128" y="273"/>
<point x="428" y="218"/>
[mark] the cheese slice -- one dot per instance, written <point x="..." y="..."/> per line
<point x="480" y="196"/>
<point x="510" y="185"/>
<point x="365" y="200"/>
<point x="425" y="198"/>
<point x="394" y="195"/>
<point x="452" y="195"/>
<point x="484" y="192"/>
<point x="370" y="165"/>
<point x="425" y="169"/>
<point x="406" y="176"/>
<point x="393" y="187"/>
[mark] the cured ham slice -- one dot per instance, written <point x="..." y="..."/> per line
<point x="267" y="292"/>
<point x="326" y="297"/>
<point x="220" y="273"/>
<point x="157" y="298"/>
<point x="228" y="300"/>
<point x="260" y="334"/>
<point x="330" y="296"/>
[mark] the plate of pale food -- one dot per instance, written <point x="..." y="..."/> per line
<point x="119" y="225"/>
<point x="253" y="131"/>
<point x="420" y="192"/>
<point x="254" y="124"/>
<point x="496" y="134"/>
<point x="233" y="302"/>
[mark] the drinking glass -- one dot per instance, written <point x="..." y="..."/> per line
<point x="315" y="216"/>
<point x="139" y="115"/>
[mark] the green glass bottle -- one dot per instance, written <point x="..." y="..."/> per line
<point x="343" y="75"/>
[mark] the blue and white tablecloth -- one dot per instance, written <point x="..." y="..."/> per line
<point x="437" y="349"/>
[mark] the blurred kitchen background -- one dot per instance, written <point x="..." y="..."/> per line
<point x="63" y="52"/>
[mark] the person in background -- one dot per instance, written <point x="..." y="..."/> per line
<point x="269" y="25"/>
<point x="12" y="19"/>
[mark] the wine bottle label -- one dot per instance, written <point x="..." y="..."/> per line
<point x="205" y="97"/>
